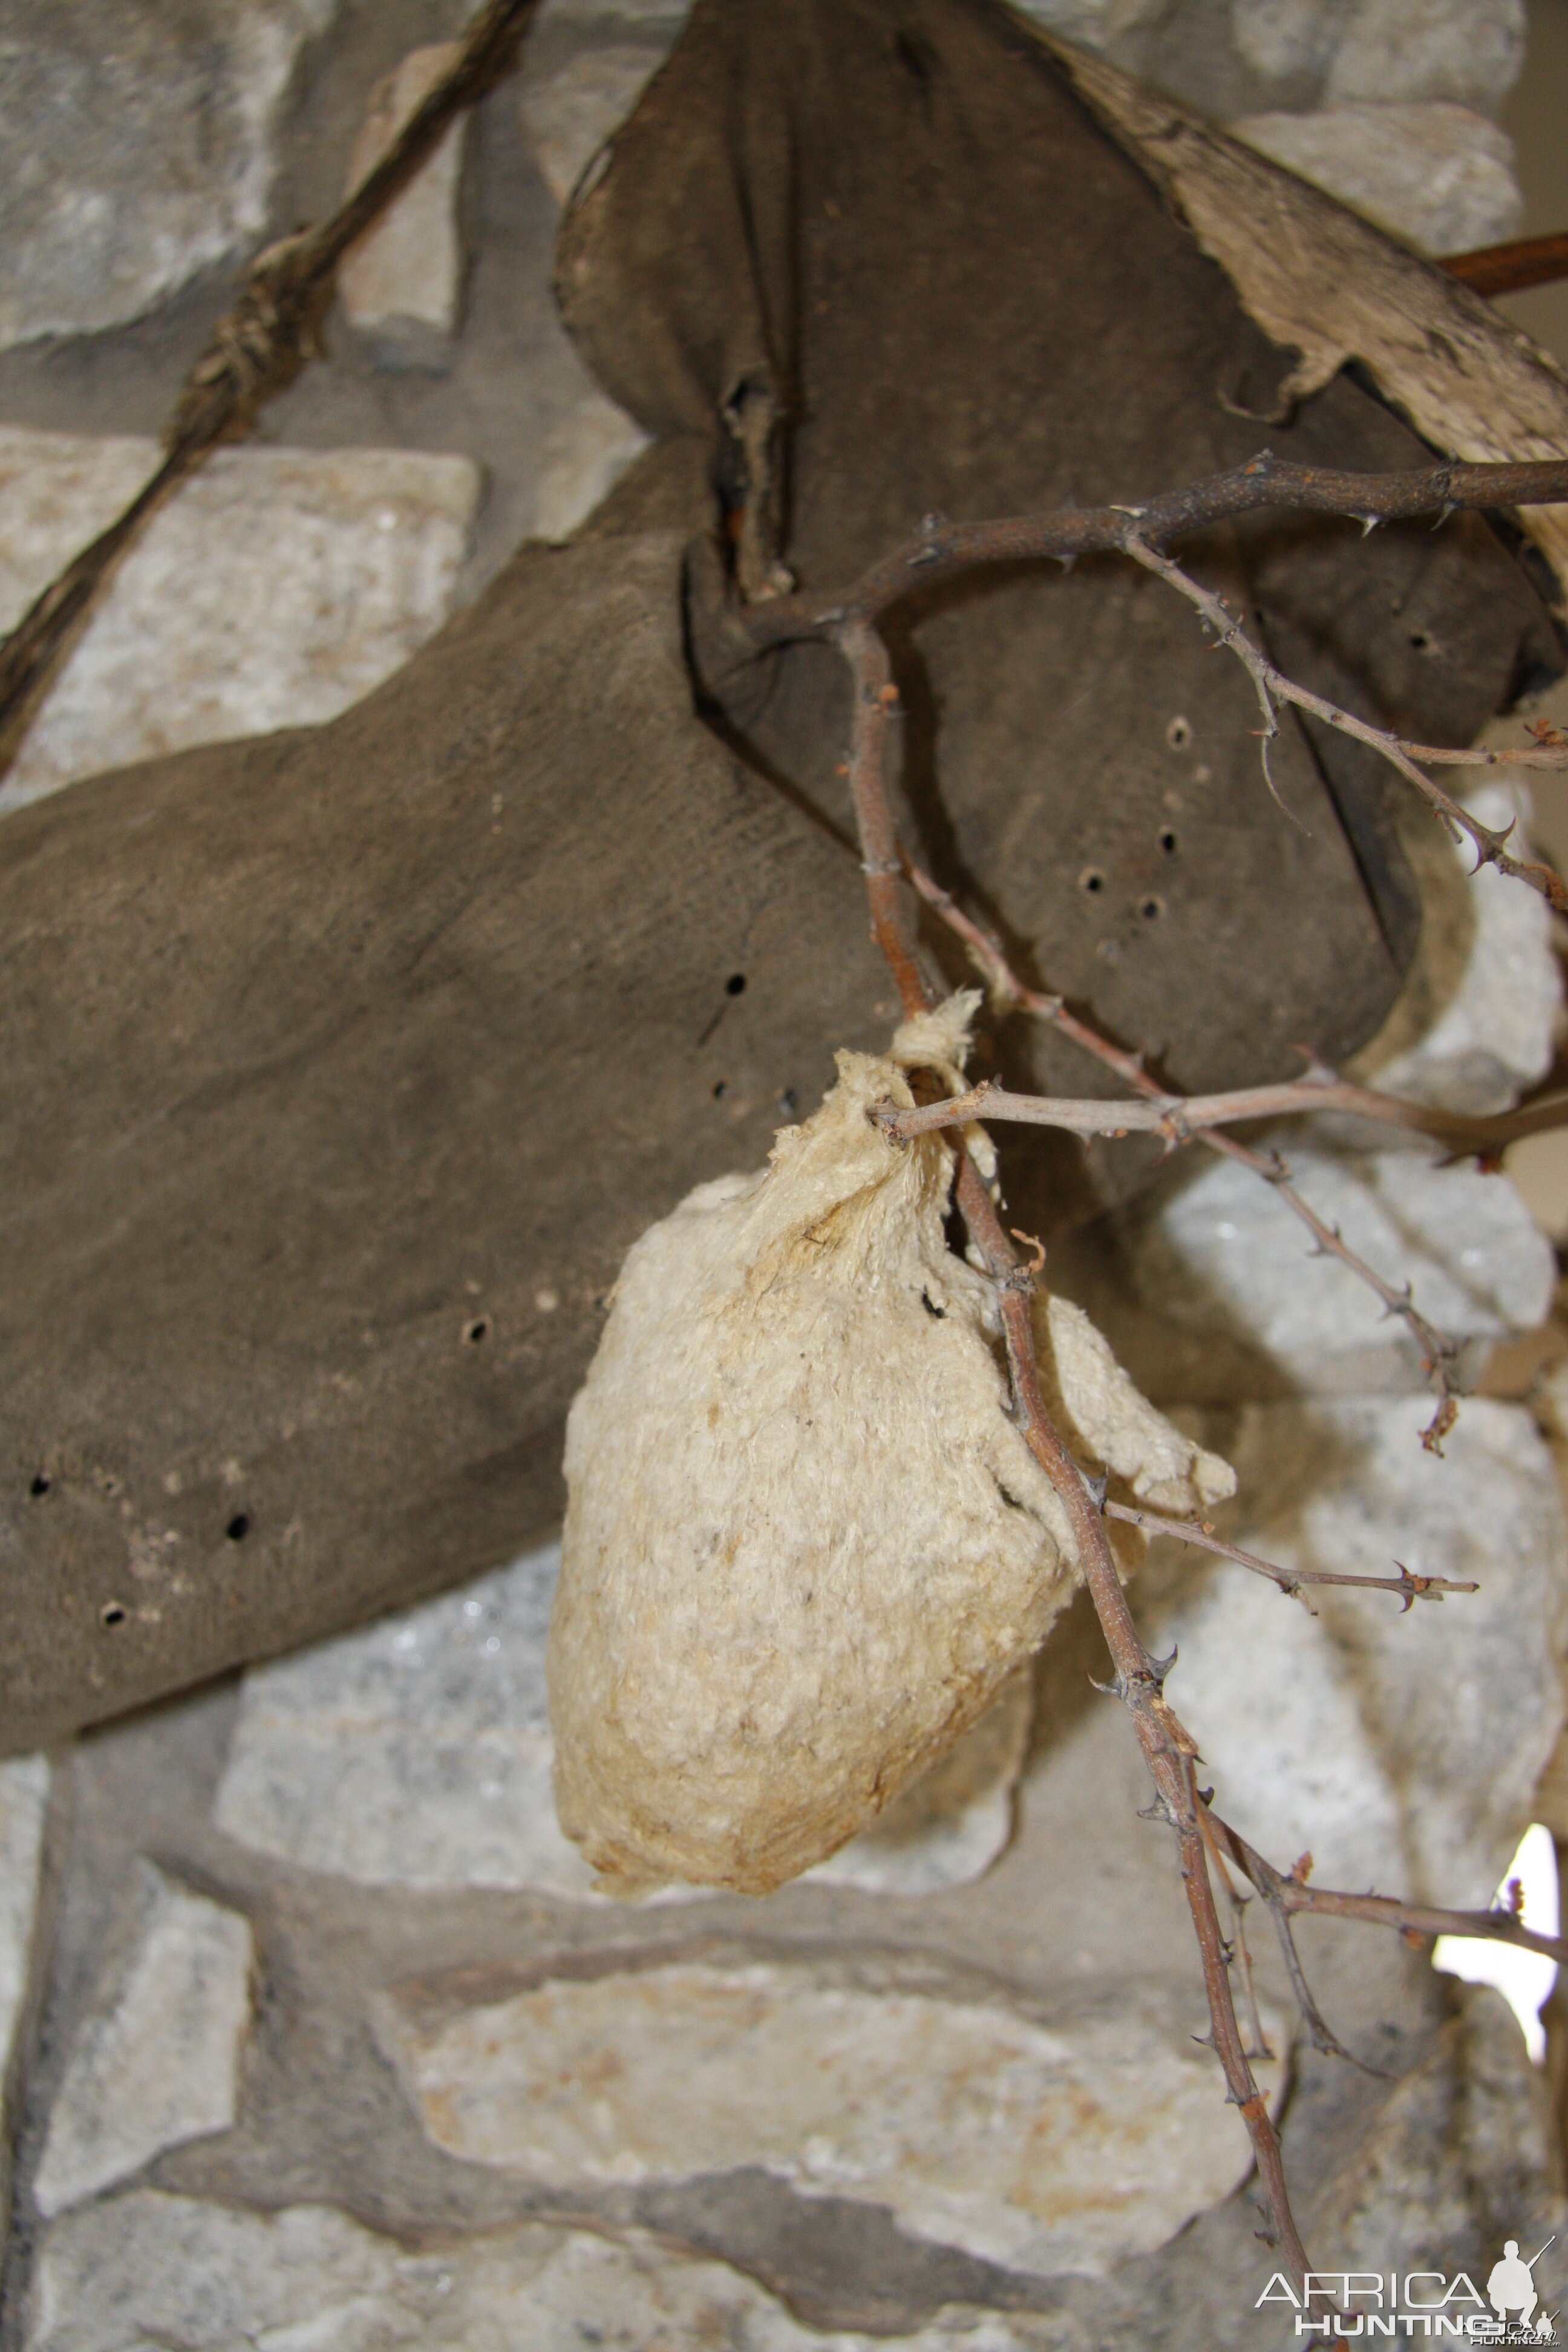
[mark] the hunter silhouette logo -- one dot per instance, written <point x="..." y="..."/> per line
<point x="1335" y="2304"/>
<point x="1510" y="2291"/>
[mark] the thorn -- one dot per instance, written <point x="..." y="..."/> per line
<point x="1066" y="562"/>
<point x="1116" y="1688"/>
<point x="1369" y="524"/>
<point x="1159" y="1668"/>
<point x="1097" y="1487"/>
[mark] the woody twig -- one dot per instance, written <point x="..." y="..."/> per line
<point x="1170" y="1115"/>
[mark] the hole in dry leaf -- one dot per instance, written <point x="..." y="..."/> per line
<point x="112" y="1613"/>
<point x="721" y="1089"/>
<point x="1168" y="842"/>
<point x="1151" y="910"/>
<point x="477" y="1330"/>
<point x="238" y="1528"/>
<point x="1424" y="641"/>
<point x="1091" y="879"/>
<point x="1179" y="734"/>
<point x="736" y="984"/>
<point x="40" y="1485"/>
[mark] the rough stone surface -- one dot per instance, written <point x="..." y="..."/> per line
<point x="140" y="146"/>
<point x="417" y="1753"/>
<point x="1245" y="1308"/>
<point x="1438" y="174"/>
<point x="1400" y="1749"/>
<point x="159" y="2064"/>
<point x="144" y="2271"/>
<point x="24" y="1793"/>
<point x="1281" y="39"/>
<point x="1096" y="23"/>
<point x="1460" y="2159"/>
<point x="402" y="284"/>
<point x="1048" y="2147"/>
<point x="585" y="456"/>
<point x="568" y="116"/>
<point x="193" y="641"/>
<point x="1477" y="1021"/>
<point x="1467" y="50"/>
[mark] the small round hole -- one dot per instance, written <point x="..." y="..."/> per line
<point x="1179" y="734"/>
<point x="112" y="1613"/>
<point x="1092" y="879"/>
<point x="721" y="1090"/>
<point x="736" y="984"/>
<point x="1422" y="641"/>
<point x="238" y="1528"/>
<point x="40" y="1485"/>
<point x="1168" y="842"/>
<point x="477" y="1330"/>
<point x="1151" y="910"/>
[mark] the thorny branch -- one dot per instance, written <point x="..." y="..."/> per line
<point x="1438" y="1351"/>
<point x="1179" y="1118"/>
<point x="256" y="349"/>
<point x="1290" y="1894"/>
<point x="1410" y="1587"/>
<point x="1273" y="686"/>
<point x="945" y="549"/>
<point x="1169" y="1751"/>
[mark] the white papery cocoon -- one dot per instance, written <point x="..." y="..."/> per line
<point x="804" y="1543"/>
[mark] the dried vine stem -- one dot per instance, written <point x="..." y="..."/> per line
<point x="1180" y="1118"/>
<point x="255" y="350"/>
<point x="1438" y="1351"/>
<point x="946" y="549"/>
<point x="1273" y="686"/>
<point x="1291" y="1895"/>
<point x="1410" y="1587"/>
<point x="1169" y="1751"/>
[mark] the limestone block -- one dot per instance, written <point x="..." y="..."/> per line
<point x="1282" y="39"/>
<point x="402" y="284"/>
<point x="1048" y="2147"/>
<point x="24" y="1793"/>
<point x="140" y="146"/>
<point x="568" y="115"/>
<point x="662" y="17"/>
<point x="417" y="1752"/>
<point x="585" y="457"/>
<point x="1093" y="23"/>
<point x="144" y="2271"/>
<point x="1468" y="50"/>
<point x="159" y="2063"/>
<point x="276" y="588"/>
<point x="1231" y="1273"/>
<point x="1437" y="174"/>
<point x="1462" y="2157"/>
<point x="1477" y="1020"/>
<point x="414" y="1752"/>
<point x="1401" y="1750"/>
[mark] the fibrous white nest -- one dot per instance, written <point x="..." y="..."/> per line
<point x="805" y="1543"/>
